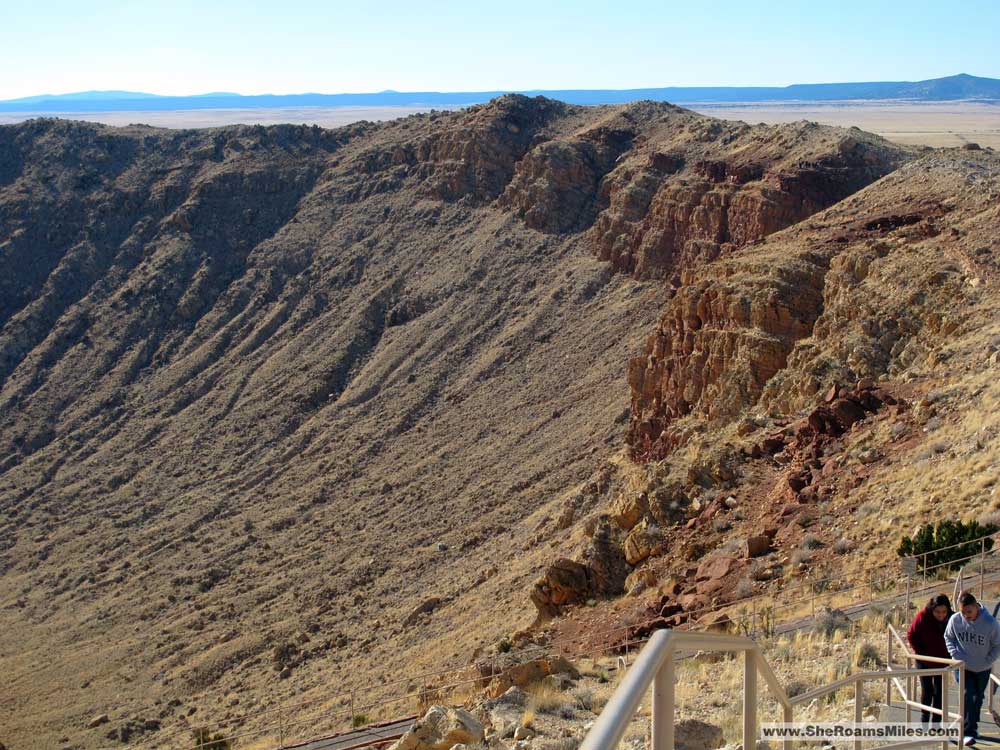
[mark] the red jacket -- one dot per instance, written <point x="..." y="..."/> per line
<point x="926" y="635"/>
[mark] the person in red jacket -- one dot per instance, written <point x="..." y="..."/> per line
<point x="926" y="637"/>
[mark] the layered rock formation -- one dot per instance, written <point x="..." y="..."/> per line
<point x="267" y="392"/>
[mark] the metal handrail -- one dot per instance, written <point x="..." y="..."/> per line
<point x="655" y="667"/>
<point x="906" y="687"/>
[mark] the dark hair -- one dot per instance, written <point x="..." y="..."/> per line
<point x="939" y="600"/>
<point x="966" y="598"/>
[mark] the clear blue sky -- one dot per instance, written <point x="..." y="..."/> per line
<point x="329" y="46"/>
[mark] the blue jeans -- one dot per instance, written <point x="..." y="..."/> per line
<point x="975" y="688"/>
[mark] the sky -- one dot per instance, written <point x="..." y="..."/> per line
<point x="329" y="46"/>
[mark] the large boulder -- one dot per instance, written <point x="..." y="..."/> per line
<point x="564" y="582"/>
<point x="511" y="673"/>
<point x="692" y="734"/>
<point x="440" y="729"/>
<point x="715" y="567"/>
<point x="601" y="572"/>
<point x="642" y="541"/>
<point x="629" y="508"/>
<point x="757" y="545"/>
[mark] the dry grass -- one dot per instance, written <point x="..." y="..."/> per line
<point x="546" y="698"/>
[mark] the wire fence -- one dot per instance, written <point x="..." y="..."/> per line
<point x="892" y="583"/>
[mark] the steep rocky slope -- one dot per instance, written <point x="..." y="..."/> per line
<point x="804" y="403"/>
<point x="284" y="407"/>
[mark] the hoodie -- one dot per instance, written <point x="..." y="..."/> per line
<point x="975" y="642"/>
<point x="926" y="635"/>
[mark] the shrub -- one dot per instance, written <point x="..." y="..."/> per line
<point x="867" y="656"/>
<point x="801" y="556"/>
<point x="204" y="740"/>
<point x="947" y="545"/>
<point x="796" y="687"/>
<point x="842" y="546"/>
<point x="829" y="621"/>
<point x="744" y="589"/>
<point x="528" y="718"/>
<point x="760" y="571"/>
<point x="868" y="508"/>
<point x="358" y="720"/>
<point x="810" y="541"/>
<point x="545" y="698"/>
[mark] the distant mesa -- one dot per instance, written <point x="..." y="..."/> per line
<point x="951" y="88"/>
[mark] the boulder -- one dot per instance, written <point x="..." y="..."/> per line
<point x="693" y="734"/>
<point x="514" y="696"/>
<point x="425" y="607"/>
<point x="564" y="582"/>
<point x="441" y="728"/>
<point x="98" y="720"/>
<point x="717" y="566"/>
<point x="523" y="733"/>
<point x="639" y="580"/>
<point x="505" y="720"/>
<point x="758" y="545"/>
<point x="629" y="508"/>
<point x="513" y="674"/>
<point x="644" y="540"/>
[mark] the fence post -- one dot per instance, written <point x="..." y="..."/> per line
<point x="906" y="611"/>
<point x="961" y="703"/>
<point x="888" y="666"/>
<point x="662" y="725"/>
<point x="749" y="700"/>
<point x="945" y="718"/>
<point x="281" y="728"/>
<point x="859" y="700"/>
<point x="982" y="567"/>
<point x="753" y="623"/>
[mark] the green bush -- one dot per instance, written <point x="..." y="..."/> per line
<point x="359" y="720"/>
<point x="203" y="740"/>
<point x="929" y="543"/>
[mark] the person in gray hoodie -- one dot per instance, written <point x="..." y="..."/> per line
<point x="973" y="636"/>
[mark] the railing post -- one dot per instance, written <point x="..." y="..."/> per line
<point x="909" y="692"/>
<point x="906" y="610"/>
<point x="662" y="725"/>
<point x="961" y="703"/>
<point x="749" y="700"/>
<point x="945" y="718"/>
<point x="982" y="567"/>
<point x="888" y="666"/>
<point x="859" y="700"/>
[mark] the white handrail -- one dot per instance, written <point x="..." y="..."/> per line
<point x="655" y="667"/>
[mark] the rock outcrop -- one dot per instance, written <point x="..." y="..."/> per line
<point x="555" y="187"/>
<point x="600" y="572"/>
<point x="712" y="187"/>
<point x="441" y="728"/>
<point x="472" y="156"/>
